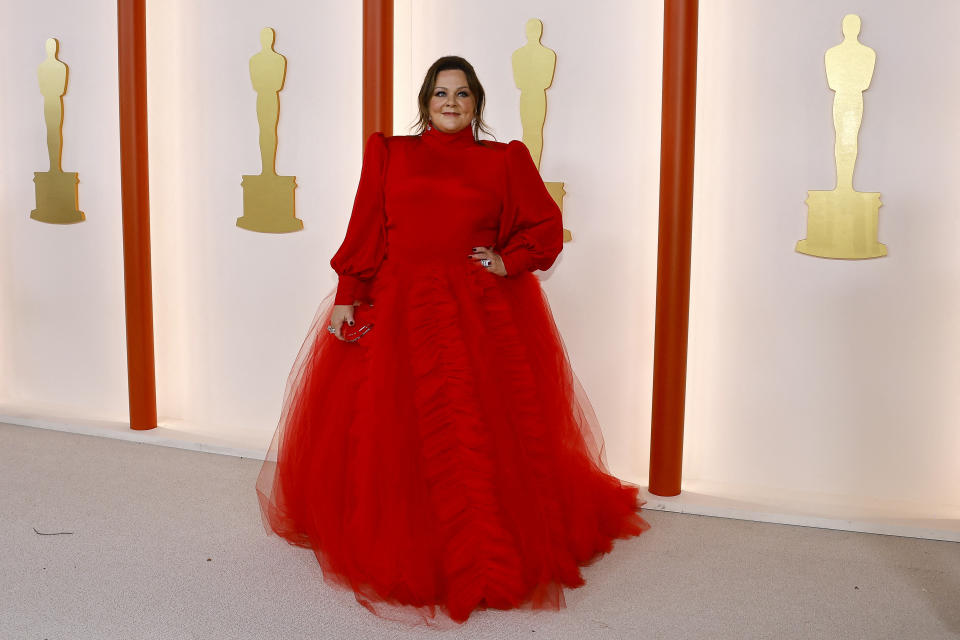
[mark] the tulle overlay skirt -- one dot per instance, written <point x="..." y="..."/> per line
<point x="449" y="460"/>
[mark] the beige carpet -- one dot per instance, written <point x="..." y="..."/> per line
<point x="168" y="544"/>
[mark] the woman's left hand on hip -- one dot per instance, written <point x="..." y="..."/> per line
<point x="486" y="258"/>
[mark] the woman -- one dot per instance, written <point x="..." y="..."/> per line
<point x="447" y="460"/>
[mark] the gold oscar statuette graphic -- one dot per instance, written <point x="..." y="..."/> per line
<point x="843" y="223"/>
<point x="56" y="190"/>
<point x="533" y="68"/>
<point x="268" y="199"/>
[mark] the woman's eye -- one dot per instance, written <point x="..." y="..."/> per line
<point x="440" y="94"/>
<point x="463" y="94"/>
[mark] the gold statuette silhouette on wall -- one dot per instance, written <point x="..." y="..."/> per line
<point x="843" y="223"/>
<point x="56" y="190"/>
<point x="268" y="199"/>
<point x="533" y="68"/>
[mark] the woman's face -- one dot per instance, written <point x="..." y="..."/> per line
<point x="452" y="105"/>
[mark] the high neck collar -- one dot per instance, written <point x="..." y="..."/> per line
<point x="461" y="138"/>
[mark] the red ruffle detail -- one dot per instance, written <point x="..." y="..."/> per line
<point x="449" y="460"/>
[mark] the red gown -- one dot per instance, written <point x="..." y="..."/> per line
<point x="449" y="460"/>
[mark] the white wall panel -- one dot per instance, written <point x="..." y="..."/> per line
<point x="62" y="345"/>
<point x="233" y="306"/>
<point x="812" y="375"/>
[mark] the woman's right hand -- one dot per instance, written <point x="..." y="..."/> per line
<point x="341" y="313"/>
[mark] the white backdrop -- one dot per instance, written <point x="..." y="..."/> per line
<point x="807" y="376"/>
<point x="233" y="306"/>
<point x="62" y="347"/>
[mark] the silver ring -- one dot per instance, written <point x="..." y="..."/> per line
<point x="486" y="262"/>
<point x="331" y="329"/>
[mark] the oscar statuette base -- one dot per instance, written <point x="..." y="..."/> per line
<point x="57" y="198"/>
<point x="842" y="224"/>
<point x="269" y="204"/>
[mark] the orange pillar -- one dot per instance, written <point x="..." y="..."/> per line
<point x="673" y="251"/>
<point x="377" y="67"/>
<point x="135" y="198"/>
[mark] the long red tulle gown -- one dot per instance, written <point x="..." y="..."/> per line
<point x="447" y="461"/>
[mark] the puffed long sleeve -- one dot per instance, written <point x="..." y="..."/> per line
<point x="364" y="246"/>
<point x="531" y="222"/>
